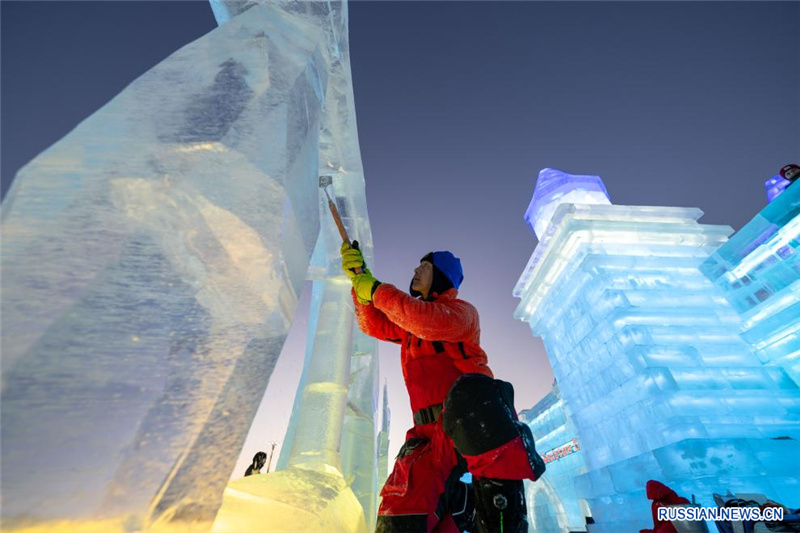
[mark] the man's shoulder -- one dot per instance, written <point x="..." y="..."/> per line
<point x="450" y="297"/>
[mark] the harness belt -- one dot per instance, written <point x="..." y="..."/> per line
<point x="429" y="415"/>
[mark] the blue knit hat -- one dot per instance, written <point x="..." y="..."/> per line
<point x="447" y="272"/>
<point x="449" y="265"/>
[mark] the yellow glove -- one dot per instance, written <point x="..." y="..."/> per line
<point x="352" y="259"/>
<point x="365" y="285"/>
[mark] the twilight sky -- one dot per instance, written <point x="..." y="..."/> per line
<point x="459" y="105"/>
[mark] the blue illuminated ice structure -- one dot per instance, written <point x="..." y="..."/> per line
<point x="554" y="188"/>
<point x="758" y="271"/>
<point x="553" y="502"/>
<point x="649" y="359"/>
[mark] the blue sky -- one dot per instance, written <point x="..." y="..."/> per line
<point x="459" y="105"/>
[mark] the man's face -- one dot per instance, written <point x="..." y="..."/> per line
<point x="423" y="278"/>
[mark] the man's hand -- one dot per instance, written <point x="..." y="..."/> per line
<point x="364" y="285"/>
<point x="351" y="260"/>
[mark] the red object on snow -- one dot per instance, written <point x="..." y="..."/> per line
<point x="662" y="496"/>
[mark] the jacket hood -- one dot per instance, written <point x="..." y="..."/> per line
<point x="657" y="491"/>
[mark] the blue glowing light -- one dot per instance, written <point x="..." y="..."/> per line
<point x="775" y="186"/>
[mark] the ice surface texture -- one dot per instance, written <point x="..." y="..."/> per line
<point x="650" y="362"/>
<point x="331" y="433"/>
<point x="151" y="262"/>
<point x="758" y="271"/>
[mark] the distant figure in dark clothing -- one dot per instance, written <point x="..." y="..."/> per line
<point x="790" y="172"/>
<point x="259" y="460"/>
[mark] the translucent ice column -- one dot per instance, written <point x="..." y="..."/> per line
<point x="359" y="445"/>
<point x="151" y="261"/>
<point x="649" y="360"/>
<point x="311" y="492"/>
<point x="326" y="478"/>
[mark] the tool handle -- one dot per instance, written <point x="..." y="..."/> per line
<point x="341" y="228"/>
<point x="355" y="246"/>
<point x="338" y="220"/>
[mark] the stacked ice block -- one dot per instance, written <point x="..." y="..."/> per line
<point x="758" y="271"/>
<point x="648" y="357"/>
<point x="553" y="502"/>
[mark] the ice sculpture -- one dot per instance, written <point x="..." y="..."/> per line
<point x="758" y="271"/>
<point x="330" y="445"/>
<point x="151" y="262"/>
<point x="553" y="503"/>
<point x="649" y="360"/>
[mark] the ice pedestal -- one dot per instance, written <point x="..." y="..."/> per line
<point x="650" y="361"/>
<point x="289" y="501"/>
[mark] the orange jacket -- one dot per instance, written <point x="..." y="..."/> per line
<point x="439" y="339"/>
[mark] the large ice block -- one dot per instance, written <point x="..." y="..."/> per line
<point x="151" y="261"/>
<point x="650" y="361"/>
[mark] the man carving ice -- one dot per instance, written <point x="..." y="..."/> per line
<point x="463" y="418"/>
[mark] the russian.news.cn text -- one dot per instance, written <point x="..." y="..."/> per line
<point x="731" y="514"/>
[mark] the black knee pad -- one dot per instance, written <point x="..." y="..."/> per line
<point x="479" y="414"/>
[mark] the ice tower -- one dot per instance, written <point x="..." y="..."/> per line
<point x="553" y="502"/>
<point x="383" y="440"/>
<point x="648" y="356"/>
<point x="151" y="263"/>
